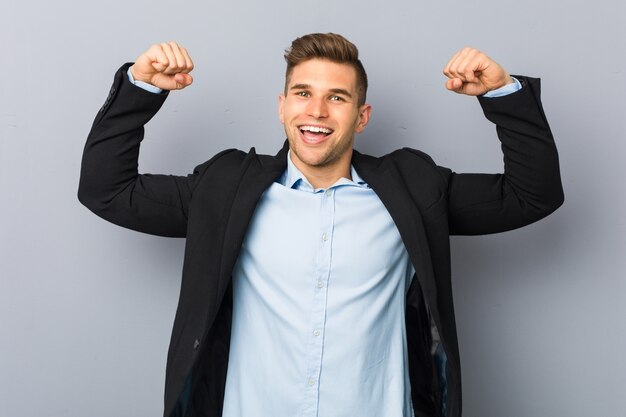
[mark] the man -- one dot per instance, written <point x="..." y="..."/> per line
<point x="316" y="282"/>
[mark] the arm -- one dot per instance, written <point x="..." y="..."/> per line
<point x="530" y="187"/>
<point x="110" y="185"/>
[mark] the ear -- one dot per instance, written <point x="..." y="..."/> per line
<point x="364" y="117"/>
<point x="281" y="104"/>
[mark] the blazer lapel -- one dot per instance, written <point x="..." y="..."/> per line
<point x="258" y="174"/>
<point x="385" y="179"/>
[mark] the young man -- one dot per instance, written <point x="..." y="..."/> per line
<point x="316" y="282"/>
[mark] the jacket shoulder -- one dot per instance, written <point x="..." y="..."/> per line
<point x="412" y="162"/>
<point x="226" y="162"/>
<point x="413" y="171"/>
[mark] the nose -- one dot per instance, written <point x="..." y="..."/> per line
<point x="317" y="108"/>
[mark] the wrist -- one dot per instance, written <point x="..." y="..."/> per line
<point x="142" y="84"/>
<point x="136" y="76"/>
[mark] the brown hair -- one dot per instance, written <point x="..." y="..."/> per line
<point x="332" y="47"/>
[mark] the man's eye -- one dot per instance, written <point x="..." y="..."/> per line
<point x="336" y="98"/>
<point x="302" y="93"/>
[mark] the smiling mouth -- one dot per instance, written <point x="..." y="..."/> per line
<point x="315" y="134"/>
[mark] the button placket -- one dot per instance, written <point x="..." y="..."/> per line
<point x="318" y="314"/>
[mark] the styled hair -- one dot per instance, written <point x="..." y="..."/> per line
<point x="332" y="47"/>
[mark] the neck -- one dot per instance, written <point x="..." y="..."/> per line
<point x="327" y="175"/>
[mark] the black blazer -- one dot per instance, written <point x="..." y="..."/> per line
<point x="212" y="208"/>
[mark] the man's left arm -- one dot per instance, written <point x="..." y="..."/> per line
<point x="530" y="187"/>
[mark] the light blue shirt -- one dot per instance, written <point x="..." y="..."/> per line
<point x="319" y="303"/>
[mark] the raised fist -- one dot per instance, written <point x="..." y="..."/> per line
<point x="164" y="65"/>
<point x="473" y="73"/>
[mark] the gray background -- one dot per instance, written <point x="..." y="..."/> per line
<point x="86" y="308"/>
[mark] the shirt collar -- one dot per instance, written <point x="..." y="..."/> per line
<point x="293" y="178"/>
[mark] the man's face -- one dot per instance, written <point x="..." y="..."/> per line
<point x="320" y="113"/>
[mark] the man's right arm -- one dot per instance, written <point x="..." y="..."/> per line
<point x="110" y="185"/>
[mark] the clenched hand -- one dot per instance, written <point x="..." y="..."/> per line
<point x="164" y="65"/>
<point x="473" y="73"/>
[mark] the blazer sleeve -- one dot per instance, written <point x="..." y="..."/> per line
<point x="110" y="185"/>
<point x="530" y="187"/>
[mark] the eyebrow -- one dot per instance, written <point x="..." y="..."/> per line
<point x="341" y="91"/>
<point x="332" y="90"/>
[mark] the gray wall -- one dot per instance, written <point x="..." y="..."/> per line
<point x="86" y="308"/>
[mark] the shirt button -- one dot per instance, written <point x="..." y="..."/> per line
<point x="324" y="237"/>
<point x="311" y="382"/>
<point x="316" y="332"/>
<point x="328" y="193"/>
<point x="320" y="284"/>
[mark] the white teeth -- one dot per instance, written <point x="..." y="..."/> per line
<point x="316" y="129"/>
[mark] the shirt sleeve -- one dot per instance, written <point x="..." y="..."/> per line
<point x="145" y="86"/>
<point x="504" y="90"/>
